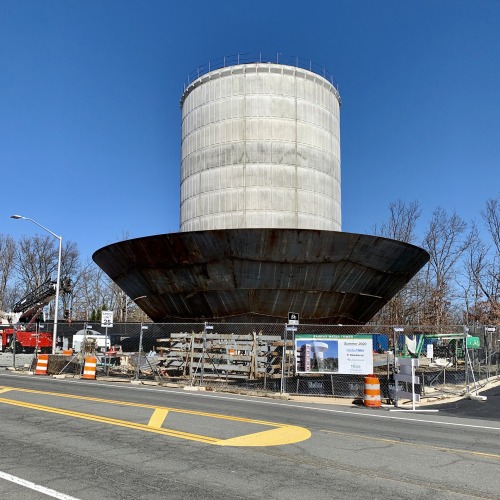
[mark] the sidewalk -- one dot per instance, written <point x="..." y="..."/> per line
<point x="433" y="396"/>
<point x="6" y="359"/>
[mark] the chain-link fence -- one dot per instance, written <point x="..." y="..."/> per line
<point x="323" y="360"/>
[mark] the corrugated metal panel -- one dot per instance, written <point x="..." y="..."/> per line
<point x="260" y="148"/>
<point x="261" y="274"/>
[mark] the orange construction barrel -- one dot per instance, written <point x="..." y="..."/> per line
<point x="89" y="368"/>
<point x="372" y="391"/>
<point x="42" y="363"/>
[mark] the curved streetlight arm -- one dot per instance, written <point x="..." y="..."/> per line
<point x="37" y="223"/>
<point x="58" y="282"/>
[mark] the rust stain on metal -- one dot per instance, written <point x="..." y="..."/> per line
<point x="258" y="275"/>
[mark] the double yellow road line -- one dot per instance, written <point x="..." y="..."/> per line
<point x="276" y="434"/>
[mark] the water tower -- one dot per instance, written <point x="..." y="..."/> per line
<point x="260" y="149"/>
<point x="260" y="215"/>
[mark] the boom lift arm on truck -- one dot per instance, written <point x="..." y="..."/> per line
<point x="27" y="311"/>
<point x="32" y="303"/>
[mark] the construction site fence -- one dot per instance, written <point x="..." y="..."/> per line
<point x="273" y="358"/>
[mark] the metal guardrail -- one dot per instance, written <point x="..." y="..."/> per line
<point x="261" y="57"/>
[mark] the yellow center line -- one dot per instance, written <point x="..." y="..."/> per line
<point x="417" y="445"/>
<point x="143" y="405"/>
<point x="280" y="434"/>
<point x="113" y="421"/>
<point x="158" y="417"/>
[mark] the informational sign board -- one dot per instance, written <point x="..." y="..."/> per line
<point x="343" y="354"/>
<point x="473" y="343"/>
<point x="106" y="319"/>
<point x="293" y="318"/>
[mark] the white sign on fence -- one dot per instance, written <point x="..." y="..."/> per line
<point x="106" y="319"/>
<point x="430" y="351"/>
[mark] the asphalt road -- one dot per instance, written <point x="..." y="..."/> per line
<point x="90" y="440"/>
<point x="487" y="410"/>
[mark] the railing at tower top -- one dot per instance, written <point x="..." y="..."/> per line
<point x="260" y="57"/>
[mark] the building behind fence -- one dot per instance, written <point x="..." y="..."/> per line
<point x="265" y="357"/>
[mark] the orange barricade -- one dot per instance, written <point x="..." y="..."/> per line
<point x="89" y="368"/>
<point x="372" y="391"/>
<point x="42" y="364"/>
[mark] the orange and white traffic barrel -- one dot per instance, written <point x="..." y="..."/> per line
<point x="372" y="391"/>
<point x="42" y="363"/>
<point x="89" y="368"/>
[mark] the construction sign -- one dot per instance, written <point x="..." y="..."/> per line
<point x="325" y="353"/>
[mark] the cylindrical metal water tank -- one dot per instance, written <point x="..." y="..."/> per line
<point x="260" y="149"/>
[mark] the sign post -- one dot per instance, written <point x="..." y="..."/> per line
<point x="293" y="321"/>
<point x="139" y="353"/>
<point x="488" y="346"/>
<point x="207" y="327"/>
<point x="106" y="322"/>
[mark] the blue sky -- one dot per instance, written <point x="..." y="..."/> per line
<point x="90" y="118"/>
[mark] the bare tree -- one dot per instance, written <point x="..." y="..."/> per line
<point x="7" y="253"/>
<point x="403" y="217"/>
<point x="35" y="261"/>
<point x="492" y="218"/>
<point x="90" y="292"/>
<point x="474" y="265"/>
<point x="483" y="269"/>
<point x="94" y="291"/>
<point x="446" y="242"/>
<point x="402" y="221"/>
<point x="70" y="267"/>
<point x="491" y="289"/>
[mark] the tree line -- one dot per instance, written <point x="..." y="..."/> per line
<point x="459" y="285"/>
<point x="461" y="282"/>
<point x="29" y="262"/>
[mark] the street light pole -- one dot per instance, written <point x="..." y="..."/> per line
<point x="58" y="282"/>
